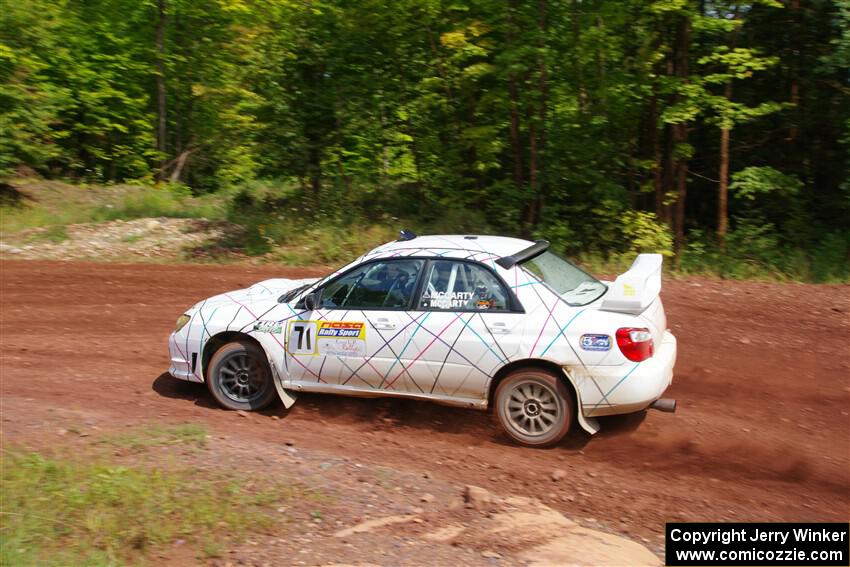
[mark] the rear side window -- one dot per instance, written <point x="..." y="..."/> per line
<point x="462" y="286"/>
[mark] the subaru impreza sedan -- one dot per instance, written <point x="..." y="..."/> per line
<point x="474" y="321"/>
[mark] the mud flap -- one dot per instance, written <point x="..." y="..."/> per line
<point x="288" y="398"/>
<point x="589" y="424"/>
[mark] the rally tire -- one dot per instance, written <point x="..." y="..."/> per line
<point x="239" y="377"/>
<point x="534" y="407"/>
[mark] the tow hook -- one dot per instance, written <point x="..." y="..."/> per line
<point x="664" y="404"/>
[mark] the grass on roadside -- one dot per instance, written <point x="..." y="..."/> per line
<point x="189" y="435"/>
<point x="273" y="223"/>
<point x="25" y="216"/>
<point x="168" y="201"/>
<point x="56" y="204"/>
<point x="55" y="234"/>
<point x="63" y="510"/>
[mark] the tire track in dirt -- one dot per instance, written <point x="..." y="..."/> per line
<point x="763" y="381"/>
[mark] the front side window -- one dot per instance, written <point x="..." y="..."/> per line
<point x="573" y="284"/>
<point x="461" y="286"/>
<point x="377" y="285"/>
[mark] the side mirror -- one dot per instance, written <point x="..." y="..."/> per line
<point x="310" y="301"/>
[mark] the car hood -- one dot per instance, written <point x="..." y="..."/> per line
<point x="264" y="291"/>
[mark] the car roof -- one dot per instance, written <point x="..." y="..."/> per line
<point x="496" y="245"/>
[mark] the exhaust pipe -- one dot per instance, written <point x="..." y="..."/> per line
<point x="664" y="404"/>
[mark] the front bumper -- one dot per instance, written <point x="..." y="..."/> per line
<point x="182" y="366"/>
<point x="610" y="390"/>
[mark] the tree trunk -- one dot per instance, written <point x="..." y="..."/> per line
<point x="668" y="174"/>
<point x="315" y="167"/>
<point x="650" y="147"/>
<point x="340" y="158"/>
<point x="668" y="165"/>
<point x="680" y="136"/>
<point x="179" y="165"/>
<point x="440" y="69"/>
<point x="599" y="56"/>
<point x="161" y="133"/>
<point x="723" y="185"/>
<point x="581" y="90"/>
<point x="794" y="70"/>
<point x="681" y="195"/>
<point x="723" y="191"/>
<point x="513" y="95"/>
<point x="531" y="197"/>
<point x="542" y="87"/>
<point x="516" y="144"/>
<point x="536" y="118"/>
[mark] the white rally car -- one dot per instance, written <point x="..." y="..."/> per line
<point x="475" y="321"/>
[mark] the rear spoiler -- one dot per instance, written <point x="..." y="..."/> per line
<point x="635" y="290"/>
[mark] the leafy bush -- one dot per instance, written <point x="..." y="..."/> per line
<point x="633" y="233"/>
<point x="276" y="221"/>
<point x="759" y="250"/>
<point x="643" y="233"/>
<point x="831" y="258"/>
<point x="764" y="195"/>
<point x="754" y="183"/>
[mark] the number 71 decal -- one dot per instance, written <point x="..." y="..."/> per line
<point x="301" y="337"/>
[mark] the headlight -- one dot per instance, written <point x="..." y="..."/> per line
<point x="181" y="322"/>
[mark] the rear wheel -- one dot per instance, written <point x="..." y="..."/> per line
<point x="534" y="407"/>
<point x="239" y="377"/>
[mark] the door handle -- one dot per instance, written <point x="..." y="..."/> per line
<point x="498" y="328"/>
<point x="384" y="324"/>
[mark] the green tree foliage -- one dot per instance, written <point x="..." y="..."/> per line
<point x="29" y="101"/>
<point x="601" y="125"/>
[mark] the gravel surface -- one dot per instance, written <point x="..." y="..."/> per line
<point x="762" y="432"/>
<point x="149" y="239"/>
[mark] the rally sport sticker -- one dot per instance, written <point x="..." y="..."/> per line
<point x="596" y="342"/>
<point x="326" y="338"/>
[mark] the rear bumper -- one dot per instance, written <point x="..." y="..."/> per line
<point x="610" y="390"/>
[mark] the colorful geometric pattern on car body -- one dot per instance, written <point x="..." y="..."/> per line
<point x="429" y="353"/>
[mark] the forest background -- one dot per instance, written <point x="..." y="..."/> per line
<point x="715" y="132"/>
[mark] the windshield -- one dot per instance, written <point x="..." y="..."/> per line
<point x="574" y="285"/>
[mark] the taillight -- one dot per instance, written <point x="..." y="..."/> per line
<point x="635" y="343"/>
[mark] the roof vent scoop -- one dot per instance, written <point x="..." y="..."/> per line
<point x="533" y="251"/>
<point x="406" y="235"/>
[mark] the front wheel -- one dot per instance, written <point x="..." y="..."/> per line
<point x="239" y="377"/>
<point x="534" y="407"/>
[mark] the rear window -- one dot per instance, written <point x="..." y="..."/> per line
<point x="574" y="285"/>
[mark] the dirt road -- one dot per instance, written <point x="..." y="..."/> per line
<point x="763" y="382"/>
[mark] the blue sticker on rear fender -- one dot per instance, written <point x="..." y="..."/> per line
<point x="595" y="342"/>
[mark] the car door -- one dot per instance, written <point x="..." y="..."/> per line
<point x="466" y="328"/>
<point x="356" y="336"/>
